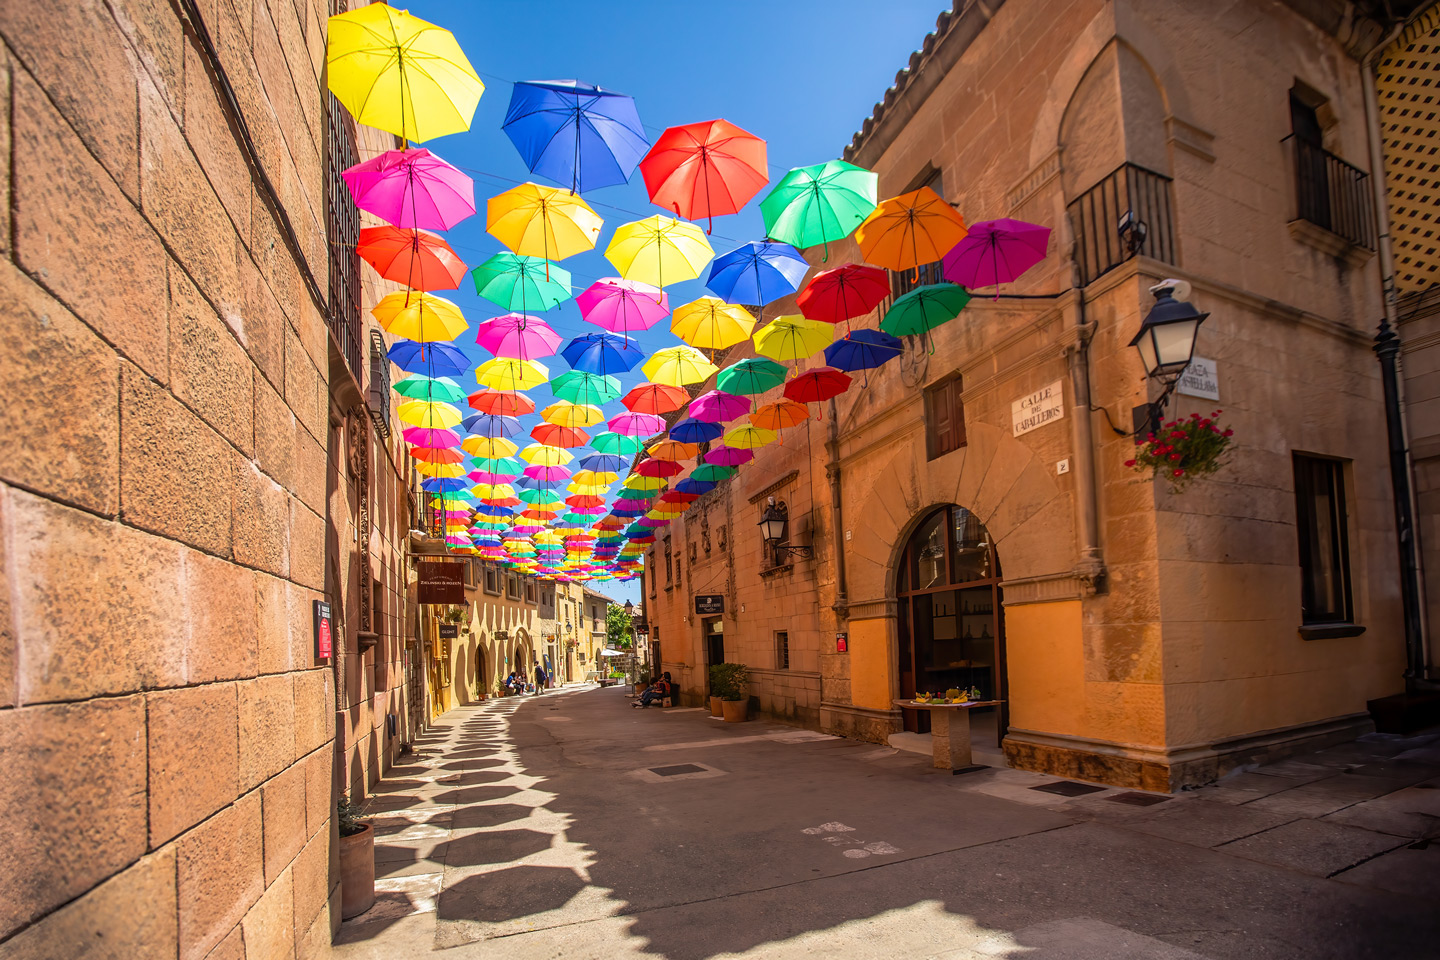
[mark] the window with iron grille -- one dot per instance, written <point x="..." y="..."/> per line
<point x="782" y="650"/>
<point x="342" y="229"/>
<point x="1329" y="192"/>
<point x="1322" y="526"/>
<point x="379" y="384"/>
<point x="944" y="418"/>
<point x="904" y="281"/>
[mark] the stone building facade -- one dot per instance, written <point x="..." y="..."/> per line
<point x="502" y="630"/>
<point x="561" y="629"/>
<point x="1135" y="636"/>
<point x="168" y="730"/>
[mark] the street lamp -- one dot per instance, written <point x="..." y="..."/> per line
<point x="1166" y="342"/>
<point x="629" y="608"/>
<point x="773" y="523"/>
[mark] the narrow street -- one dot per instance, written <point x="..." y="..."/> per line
<point x="572" y="825"/>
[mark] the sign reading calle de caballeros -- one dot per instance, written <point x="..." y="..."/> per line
<point x="1038" y="408"/>
<point x="441" y="582"/>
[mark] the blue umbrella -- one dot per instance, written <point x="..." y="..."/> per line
<point x="695" y="486"/>
<point x="438" y="360"/>
<point x="575" y="133"/>
<point x="602" y="463"/>
<point x="758" y="272"/>
<point x="695" y="431"/>
<point x="862" y="350"/>
<point x="493" y="510"/>
<point x="443" y="484"/>
<point x="492" y="425"/>
<point x="601" y="353"/>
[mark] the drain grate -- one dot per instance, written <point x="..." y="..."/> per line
<point x="1068" y="788"/>
<point x="1138" y="799"/>
<point x="676" y="770"/>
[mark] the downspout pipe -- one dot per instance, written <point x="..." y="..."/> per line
<point x="1091" y="566"/>
<point x="832" y="472"/>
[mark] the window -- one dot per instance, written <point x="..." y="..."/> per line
<point x="1329" y="192"/>
<point x="669" y="564"/>
<point x="492" y="581"/>
<point x="906" y="280"/>
<point x="944" y="418"/>
<point x="782" y="650"/>
<point x="1324" y="542"/>
<point x="379" y="384"/>
<point x="530" y="591"/>
<point x="512" y="587"/>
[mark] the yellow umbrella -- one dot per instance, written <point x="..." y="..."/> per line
<point x="588" y="489"/>
<point x="399" y="73"/>
<point x="593" y="478"/>
<point x="907" y="231"/>
<point x="419" y="316"/>
<point x="438" y="469"/>
<point x="711" y="323"/>
<point x="541" y="455"/>
<point x="537" y="221"/>
<point x="748" y="438"/>
<point x="488" y="448"/>
<point x="431" y="414"/>
<point x="659" y="250"/>
<point x="563" y="413"/>
<point x="666" y="511"/>
<point x="677" y="366"/>
<point x="674" y="450"/>
<point x="794" y="338"/>
<point x="493" y="491"/>
<point x="637" y="482"/>
<point x="509" y="373"/>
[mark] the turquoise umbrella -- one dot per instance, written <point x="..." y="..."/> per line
<point x="522" y="283"/>
<point x="817" y="204"/>
<point x="580" y="387"/>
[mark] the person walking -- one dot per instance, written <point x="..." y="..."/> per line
<point x="539" y="679"/>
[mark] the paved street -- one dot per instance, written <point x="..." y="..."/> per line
<point x="572" y="825"/>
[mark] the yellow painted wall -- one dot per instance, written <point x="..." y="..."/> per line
<point x="1045" y="653"/>
<point x="870" y="668"/>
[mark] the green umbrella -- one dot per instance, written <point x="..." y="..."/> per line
<point x="522" y="284"/>
<point x="498" y="465"/>
<point x="817" y="204"/>
<point x="924" y="308"/>
<point x="435" y="390"/>
<point x="749" y="377"/>
<point x="580" y="387"/>
<point x="617" y="444"/>
<point x="713" y="472"/>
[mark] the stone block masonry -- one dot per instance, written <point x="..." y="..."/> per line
<point x="165" y="731"/>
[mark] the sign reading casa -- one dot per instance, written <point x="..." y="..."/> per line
<point x="1039" y="408"/>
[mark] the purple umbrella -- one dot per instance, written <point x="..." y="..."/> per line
<point x="518" y="336"/>
<point x="623" y="305"/>
<point x="412" y="188"/>
<point x="996" y="252"/>
<point x="548" y="474"/>
<point x="636" y="424"/>
<point x="431" y="437"/>
<point x="717" y="407"/>
<point x="728" y="456"/>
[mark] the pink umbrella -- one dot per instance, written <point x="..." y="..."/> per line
<point x="623" y="305"/>
<point x="485" y="476"/>
<point x="548" y="474"/>
<point x="412" y="188"/>
<point x="728" y="456"/>
<point x="517" y="335"/>
<point x="430" y="437"/>
<point x="718" y="406"/>
<point x="636" y="424"/>
<point x="996" y="252"/>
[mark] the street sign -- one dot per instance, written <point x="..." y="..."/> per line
<point x="1200" y="379"/>
<point x="441" y="582"/>
<point x="709" y="603"/>
<point x="324" y="643"/>
<point x="1038" y="409"/>
<point x="449" y="631"/>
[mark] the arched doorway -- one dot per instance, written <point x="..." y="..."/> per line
<point x="951" y="622"/>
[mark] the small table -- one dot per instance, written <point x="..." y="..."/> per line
<point x="950" y="732"/>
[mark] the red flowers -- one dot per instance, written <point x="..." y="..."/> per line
<point x="1189" y="447"/>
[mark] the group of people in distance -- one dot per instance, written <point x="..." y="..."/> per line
<point x="516" y="684"/>
<point x="656" y="692"/>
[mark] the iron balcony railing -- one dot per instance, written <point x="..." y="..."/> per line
<point x="342" y="228"/>
<point x="1096" y="216"/>
<point x="1332" y="194"/>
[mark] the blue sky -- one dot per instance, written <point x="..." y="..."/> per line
<point x="800" y="74"/>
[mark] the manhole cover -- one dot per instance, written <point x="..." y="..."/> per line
<point x="1138" y="799"/>
<point x="1067" y="788"/>
<point x="677" y="769"/>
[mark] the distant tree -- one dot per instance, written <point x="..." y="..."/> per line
<point x="618" y="632"/>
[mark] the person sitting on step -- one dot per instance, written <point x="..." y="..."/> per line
<point x="659" y="690"/>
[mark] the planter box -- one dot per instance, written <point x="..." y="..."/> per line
<point x="736" y="711"/>
<point x="715" y="709"/>
<point x="357" y="873"/>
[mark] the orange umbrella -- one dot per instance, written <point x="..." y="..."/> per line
<point x="416" y="258"/>
<point x="779" y="415"/>
<point x="655" y="398"/>
<point x="674" y="450"/>
<point x="437" y="454"/>
<point x="502" y="403"/>
<point x="909" y="230"/>
<point x="553" y="435"/>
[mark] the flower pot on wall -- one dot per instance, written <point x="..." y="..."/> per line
<point x="715" y="709"/>
<point x="357" y="873"/>
<point x="735" y="710"/>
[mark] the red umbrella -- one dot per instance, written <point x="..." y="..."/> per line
<point x="417" y="258"/>
<point x="658" y="468"/>
<point x="675" y="496"/>
<point x="502" y="403"/>
<point x="705" y="169"/>
<point x="553" y="435"/>
<point x="655" y="398"/>
<point x="437" y="454"/>
<point x="581" y="500"/>
<point x="817" y="385"/>
<point x="852" y="290"/>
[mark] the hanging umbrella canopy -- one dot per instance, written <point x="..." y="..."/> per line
<point x="631" y="424"/>
<point x="655" y="398"/>
<point x="655" y="469"/>
<point x="758" y="272"/>
<point x="673" y="450"/>
<point x="488" y="448"/>
<point x="575" y="133"/>
<point x="421" y="317"/>
<point x="566" y="414"/>
<point x="640" y="482"/>
<point x="429" y="388"/>
<point x="749" y="437"/>
<point x="659" y="250"/>
<point x="780" y="415"/>
<point x="996" y="252"/>
<point x="491" y="426"/>
<point x="817" y="385"/>
<point x="749" y="377"/>
<point x="711" y="323"/>
<point x="553" y="435"/>
<point x="436" y="454"/>
<point x="616" y="444"/>
<point x="713" y="472"/>
<point x="602" y="463"/>
<point x="924" y="309"/>
<point x="521" y="283"/>
<point x="430" y="437"/>
<point x="577" y="386"/>
<point x="399" y="73"/>
<point x="863" y="350"/>
<point x="416" y="258"/>
<point x="541" y="454"/>
<point x="412" y="188"/>
<point x="695" y="431"/>
<point x="424" y="413"/>
<point x="848" y="291"/>
<point x="428" y="359"/>
<point x="508" y="403"/>
<point x="517" y="336"/>
<point x="602" y="353"/>
<point x="728" y="456"/>
<point x="793" y="338"/>
<point x="705" y="170"/>
<point x="717" y="406"/>
<point x="677" y="366"/>
<point x="621" y="306"/>
<point x="547" y="474"/>
<point x="498" y="465"/>
<point x="508" y="373"/>
<point x="819" y="204"/>
<point x="441" y="484"/>
<point x="439" y="469"/>
<point x="596" y="479"/>
<point x="543" y="222"/>
<point x="915" y="228"/>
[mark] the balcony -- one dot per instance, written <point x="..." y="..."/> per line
<point x="1096" y="216"/>
<point x="342" y="222"/>
<point x="1334" y="196"/>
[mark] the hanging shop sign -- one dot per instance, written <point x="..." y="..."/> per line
<point x="709" y="603"/>
<point x="1038" y="408"/>
<point x="449" y="631"/>
<point x="1200" y="379"/>
<point x="441" y="582"/>
<point x="324" y="642"/>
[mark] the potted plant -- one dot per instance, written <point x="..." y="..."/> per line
<point x="357" y="860"/>
<point x="716" y="708"/>
<point x="731" y="682"/>
<point x="642" y="682"/>
<point x="1183" y="449"/>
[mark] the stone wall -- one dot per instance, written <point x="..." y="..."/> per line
<point x="166" y="729"/>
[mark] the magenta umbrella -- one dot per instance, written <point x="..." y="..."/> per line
<point x="996" y="252"/>
<point x="718" y="406"/>
<point x="636" y="424"/>
<point x="412" y="188"/>
<point x="518" y="335"/>
<point x="728" y="456"/>
<point x="431" y="437"/>
<point x="623" y="305"/>
<point x="485" y="476"/>
<point x="547" y="474"/>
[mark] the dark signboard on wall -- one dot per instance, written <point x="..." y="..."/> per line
<point x="441" y="582"/>
<point x="709" y="603"/>
<point x="449" y="631"/>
